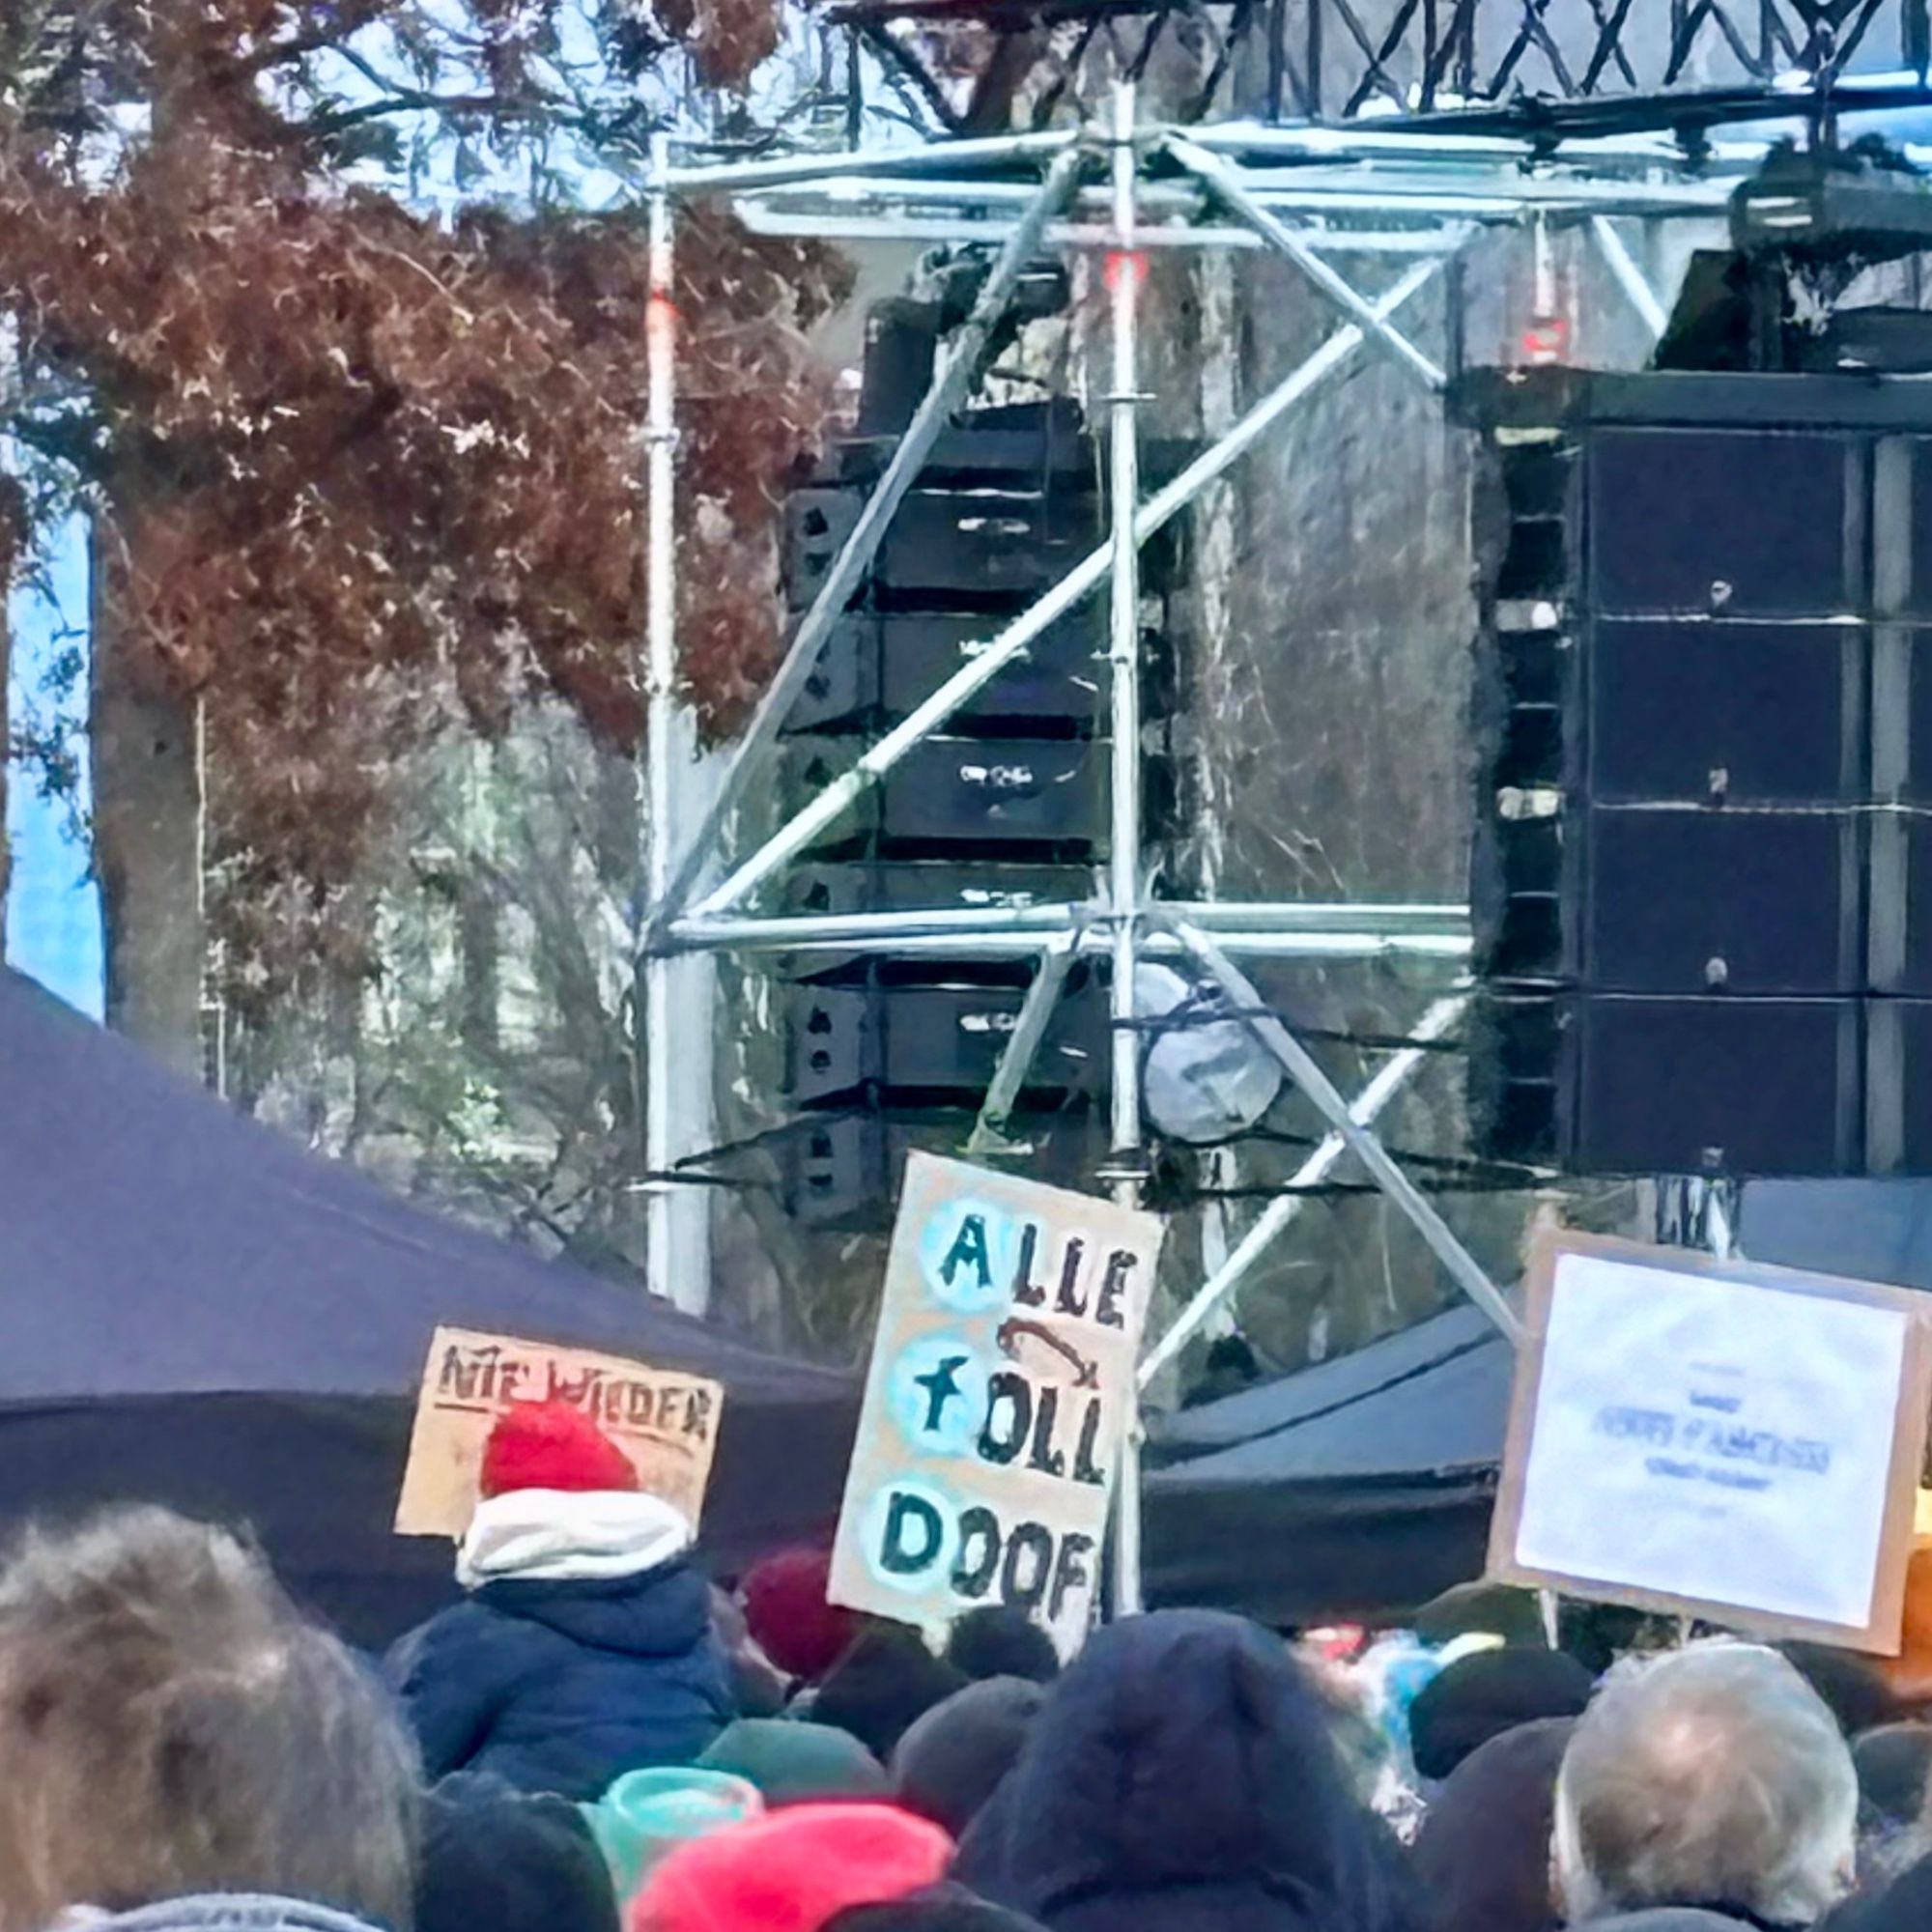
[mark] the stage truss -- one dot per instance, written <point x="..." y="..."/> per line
<point x="1367" y="193"/>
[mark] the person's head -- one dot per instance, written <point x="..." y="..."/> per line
<point x="791" y="1871"/>
<point x="1483" y="1850"/>
<point x="1478" y="1698"/>
<point x="789" y="1616"/>
<point x="1894" y="1767"/>
<point x="792" y="1762"/>
<point x="1712" y="1776"/>
<point x="1181" y="1772"/>
<point x="883" y="1685"/>
<point x="953" y="1760"/>
<point x="170" y="1724"/>
<point x="550" y="1445"/>
<point x="1497" y="1609"/>
<point x="494" y="1858"/>
<point x="997" y="1640"/>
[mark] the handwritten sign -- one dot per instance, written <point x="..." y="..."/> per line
<point x="1000" y="1393"/>
<point x="1716" y="1438"/>
<point x="667" y="1423"/>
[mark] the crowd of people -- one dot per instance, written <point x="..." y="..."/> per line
<point x="599" y="1738"/>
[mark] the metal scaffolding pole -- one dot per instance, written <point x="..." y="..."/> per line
<point x="1432" y="930"/>
<point x="951" y="383"/>
<point x="1390" y="1078"/>
<point x="677" y="1219"/>
<point x="991" y="151"/>
<point x="1022" y="943"/>
<point x="1306" y="1073"/>
<point x="1123" y="273"/>
<point x="1081" y="581"/>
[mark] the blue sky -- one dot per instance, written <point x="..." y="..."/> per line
<point x="53" y="911"/>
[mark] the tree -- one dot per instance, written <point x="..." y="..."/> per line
<point x="362" y="471"/>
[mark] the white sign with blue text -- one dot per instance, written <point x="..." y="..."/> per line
<point x="1734" y="1441"/>
<point x="1001" y="1389"/>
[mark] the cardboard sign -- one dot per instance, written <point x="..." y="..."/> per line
<point x="665" y="1422"/>
<point x="1001" y="1389"/>
<point x="1718" y="1439"/>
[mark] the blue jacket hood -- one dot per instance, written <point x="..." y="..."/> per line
<point x="1181" y="1775"/>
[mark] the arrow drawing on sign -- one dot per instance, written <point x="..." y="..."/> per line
<point x="1086" y="1373"/>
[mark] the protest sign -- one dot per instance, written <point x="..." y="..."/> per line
<point x="1001" y="1389"/>
<point x="665" y="1422"/>
<point x="1716" y="1438"/>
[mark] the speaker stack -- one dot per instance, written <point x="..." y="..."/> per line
<point x="1006" y="806"/>
<point x="1703" y="855"/>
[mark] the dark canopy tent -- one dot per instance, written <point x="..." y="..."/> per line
<point x="195" y="1310"/>
<point x="1357" y="1489"/>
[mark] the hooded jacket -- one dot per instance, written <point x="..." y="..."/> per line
<point x="585" y="1649"/>
<point x="1181" y="1778"/>
<point x="1483" y="1852"/>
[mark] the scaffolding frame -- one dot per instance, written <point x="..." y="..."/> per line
<point x="1120" y="186"/>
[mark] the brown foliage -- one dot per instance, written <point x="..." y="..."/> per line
<point x="357" y="458"/>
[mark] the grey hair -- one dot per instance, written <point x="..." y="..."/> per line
<point x="171" y="1724"/>
<point x="1713" y="1775"/>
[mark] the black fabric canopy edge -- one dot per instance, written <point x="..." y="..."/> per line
<point x="315" y="1478"/>
<point x="1304" y="1552"/>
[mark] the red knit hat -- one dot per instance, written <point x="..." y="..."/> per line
<point x="792" y="1870"/>
<point x="788" y="1617"/>
<point x="550" y="1445"/>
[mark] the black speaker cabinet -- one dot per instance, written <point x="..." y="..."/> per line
<point x="986" y="547"/>
<point x="841" y="1172"/>
<point x="1695" y="900"/>
<point x="1030" y="797"/>
<point x="1719" y="1086"/>
<point x="910" y="1041"/>
<point x="1725" y="713"/>
<point x="1726" y="522"/>
<point x="875" y="669"/>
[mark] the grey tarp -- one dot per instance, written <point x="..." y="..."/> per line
<point x="194" y="1309"/>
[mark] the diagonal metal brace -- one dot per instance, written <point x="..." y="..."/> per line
<point x="1286" y="1207"/>
<point x="1307" y="1074"/>
<point x="961" y="354"/>
<point x="1023" y="1043"/>
<point x="1223" y="180"/>
<point x="1630" y="277"/>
